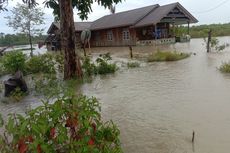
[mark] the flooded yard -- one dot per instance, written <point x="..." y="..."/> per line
<point x="159" y="105"/>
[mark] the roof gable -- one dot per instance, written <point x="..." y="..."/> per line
<point x="165" y="11"/>
<point x="126" y="18"/>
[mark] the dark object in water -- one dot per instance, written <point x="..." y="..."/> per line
<point x="193" y="136"/>
<point x="14" y="82"/>
<point x="131" y="51"/>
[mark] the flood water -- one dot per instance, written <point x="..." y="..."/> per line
<point x="159" y="105"/>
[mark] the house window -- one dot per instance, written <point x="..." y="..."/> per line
<point x="109" y="35"/>
<point x="126" y="34"/>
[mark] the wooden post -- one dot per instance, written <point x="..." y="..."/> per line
<point x="156" y="31"/>
<point x="209" y="40"/>
<point x="188" y="32"/>
<point x="131" y="51"/>
<point x="193" y="136"/>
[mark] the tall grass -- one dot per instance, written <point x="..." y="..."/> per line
<point x="167" y="56"/>
<point x="225" y="67"/>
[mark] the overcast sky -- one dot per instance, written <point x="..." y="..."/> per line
<point x="206" y="11"/>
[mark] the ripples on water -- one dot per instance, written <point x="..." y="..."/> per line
<point x="157" y="106"/>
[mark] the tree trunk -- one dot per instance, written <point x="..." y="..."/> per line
<point x="72" y="65"/>
<point x="30" y="41"/>
<point x="31" y="45"/>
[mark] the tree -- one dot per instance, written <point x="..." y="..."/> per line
<point x="112" y="9"/>
<point x="25" y="19"/>
<point x="64" y="10"/>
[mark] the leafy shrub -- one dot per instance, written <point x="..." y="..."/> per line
<point x="225" y="67"/>
<point x="133" y="64"/>
<point x="89" y="68"/>
<point x="215" y="44"/>
<point x="14" y="61"/>
<point x="68" y="125"/>
<point x="103" y="65"/>
<point x="167" y="56"/>
<point x="41" y="63"/>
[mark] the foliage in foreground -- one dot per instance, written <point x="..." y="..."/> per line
<point x="70" y="124"/>
<point x="225" y="67"/>
<point x="167" y="56"/>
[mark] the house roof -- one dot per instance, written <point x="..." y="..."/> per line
<point x="140" y="17"/>
<point x="126" y="18"/>
<point x="79" y="26"/>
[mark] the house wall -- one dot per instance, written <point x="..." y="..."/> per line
<point x="100" y="37"/>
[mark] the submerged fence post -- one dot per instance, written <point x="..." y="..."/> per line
<point x="193" y="136"/>
<point x="131" y="51"/>
<point x="209" y="40"/>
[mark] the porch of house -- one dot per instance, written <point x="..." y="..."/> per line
<point x="159" y="34"/>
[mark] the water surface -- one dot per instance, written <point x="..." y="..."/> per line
<point x="158" y="105"/>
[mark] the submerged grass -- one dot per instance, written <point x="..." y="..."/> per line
<point x="133" y="64"/>
<point x="167" y="56"/>
<point x="225" y="67"/>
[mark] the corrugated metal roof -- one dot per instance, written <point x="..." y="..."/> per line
<point x="126" y="18"/>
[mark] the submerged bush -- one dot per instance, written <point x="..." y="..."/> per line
<point x="167" y="56"/>
<point x="89" y="68"/>
<point x="225" y="67"/>
<point x="103" y="65"/>
<point x="40" y="64"/>
<point x="133" y="64"/>
<point x="68" y="125"/>
<point x="14" y="61"/>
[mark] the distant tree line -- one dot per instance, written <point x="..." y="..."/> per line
<point x="201" y="31"/>
<point x="19" y="39"/>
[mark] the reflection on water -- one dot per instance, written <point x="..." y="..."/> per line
<point x="157" y="106"/>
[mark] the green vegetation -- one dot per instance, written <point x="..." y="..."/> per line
<point x="19" y="39"/>
<point x="133" y="64"/>
<point x="14" y="61"/>
<point x="70" y="124"/>
<point x="201" y="31"/>
<point x="41" y="64"/>
<point x="89" y="68"/>
<point x="215" y="44"/>
<point x="102" y="66"/>
<point x="225" y="67"/>
<point x="167" y="56"/>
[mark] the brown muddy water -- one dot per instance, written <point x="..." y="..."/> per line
<point x="158" y="105"/>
